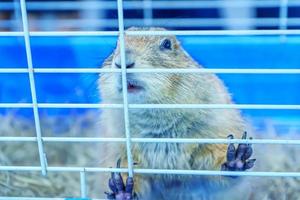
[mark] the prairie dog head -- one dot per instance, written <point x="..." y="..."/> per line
<point x="145" y="52"/>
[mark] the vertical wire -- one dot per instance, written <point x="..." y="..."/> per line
<point x="83" y="187"/>
<point x="42" y="155"/>
<point x="283" y="16"/>
<point x="147" y="12"/>
<point x="16" y="26"/>
<point x="124" y="86"/>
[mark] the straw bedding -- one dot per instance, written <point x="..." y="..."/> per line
<point x="32" y="184"/>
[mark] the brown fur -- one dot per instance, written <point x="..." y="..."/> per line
<point x="169" y="123"/>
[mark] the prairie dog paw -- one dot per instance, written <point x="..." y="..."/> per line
<point x="238" y="158"/>
<point x="119" y="190"/>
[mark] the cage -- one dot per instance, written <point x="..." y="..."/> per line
<point x="51" y="53"/>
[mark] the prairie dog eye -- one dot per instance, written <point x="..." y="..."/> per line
<point x="166" y="44"/>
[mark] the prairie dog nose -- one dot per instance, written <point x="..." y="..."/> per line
<point x="129" y="59"/>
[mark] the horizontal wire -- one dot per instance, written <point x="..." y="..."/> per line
<point x="17" y="139"/>
<point x="77" y="70"/>
<point x="166" y="22"/>
<point x="78" y="105"/>
<point x="155" y="106"/>
<point x="61" y="33"/>
<point x="92" y="5"/>
<point x="14" y="70"/>
<point x="217" y="173"/>
<point x="153" y="140"/>
<point x="16" y="105"/>
<point x="60" y="105"/>
<point x="179" y="32"/>
<point x="218" y="71"/>
<point x="61" y="169"/>
<point x="82" y="139"/>
<point x="11" y="33"/>
<point x="74" y="33"/>
<point x="216" y="106"/>
<point x="46" y="198"/>
<point x="154" y="70"/>
<point x="153" y="171"/>
<point x="217" y="32"/>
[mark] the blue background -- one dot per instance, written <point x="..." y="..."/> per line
<point x="210" y="51"/>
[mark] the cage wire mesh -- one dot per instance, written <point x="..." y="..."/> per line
<point x="237" y="18"/>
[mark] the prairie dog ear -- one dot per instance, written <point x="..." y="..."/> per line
<point x="176" y="44"/>
<point x="175" y="41"/>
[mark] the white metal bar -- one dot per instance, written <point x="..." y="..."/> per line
<point x="217" y="71"/>
<point x="18" y="139"/>
<point x="215" y="141"/>
<point x="190" y="32"/>
<point x="61" y="33"/>
<point x="147" y="12"/>
<point x="166" y="22"/>
<point x="176" y="106"/>
<point x="124" y="86"/>
<point x="79" y="139"/>
<point x="76" y="70"/>
<point x="14" y="70"/>
<point x="44" y="198"/>
<point x="67" y="5"/>
<point x="32" y="88"/>
<point x="154" y="171"/>
<point x="216" y="106"/>
<point x="216" y="32"/>
<point x="16" y="14"/>
<point x="83" y="188"/>
<point x="62" y="169"/>
<point x="155" y="106"/>
<point x="16" y="105"/>
<point x="181" y="32"/>
<point x="217" y="173"/>
<point x="153" y="140"/>
<point x="283" y="17"/>
<point x="261" y="70"/>
<point x="216" y="4"/>
<point x="41" y="198"/>
<point x="11" y="33"/>
<point x="74" y="33"/>
<point x="60" y="70"/>
<point x="78" y="105"/>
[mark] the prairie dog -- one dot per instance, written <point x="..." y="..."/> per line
<point x="169" y="88"/>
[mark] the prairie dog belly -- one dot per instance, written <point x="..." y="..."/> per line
<point x="164" y="156"/>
